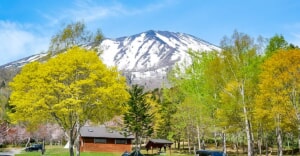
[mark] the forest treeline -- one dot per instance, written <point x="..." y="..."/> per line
<point x="247" y="95"/>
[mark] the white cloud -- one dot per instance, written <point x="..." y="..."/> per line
<point x="292" y="33"/>
<point x="16" y="42"/>
<point x="91" y="11"/>
<point x="21" y="40"/>
<point x="296" y="38"/>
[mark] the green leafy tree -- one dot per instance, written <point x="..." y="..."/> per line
<point x="166" y="109"/>
<point x="155" y="99"/>
<point x="4" y="96"/>
<point x="138" y="119"/>
<point x="2" y="100"/>
<point x="74" y="34"/>
<point x="275" y="43"/>
<point x="240" y="62"/>
<point x="207" y="68"/>
<point x="199" y="97"/>
<point x="198" y="93"/>
<point x="70" y="89"/>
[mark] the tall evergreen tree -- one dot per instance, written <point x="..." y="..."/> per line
<point x="138" y="119"/>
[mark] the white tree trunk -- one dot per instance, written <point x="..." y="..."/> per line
<point x="215" y="139"/>
<point x="249" y="136"/>
<point x="77" y="140"/>
<point x="224" y="142"/>
<point x="28" y="141"/>
<point x="247" y="122"/>
<point x="299" y="139"/>
<point x="279" y="137"/>
<point x="189" y="145"/>
<point x="198" y="137"/>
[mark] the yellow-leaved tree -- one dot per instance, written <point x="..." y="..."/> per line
<point x="277" y="103"/>
<point x="70" y="89"/>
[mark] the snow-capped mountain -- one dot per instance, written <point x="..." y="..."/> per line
<point x="150" y="50"/>
<point x="143" y="58"/>
<point x="146" y="58"/>
<point x="20" y="63"/>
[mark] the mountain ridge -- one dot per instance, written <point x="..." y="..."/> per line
<point x="144" y="58"/>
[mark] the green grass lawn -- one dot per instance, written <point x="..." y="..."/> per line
<point x="67" y="154"/>
<point x="60" y="151"/>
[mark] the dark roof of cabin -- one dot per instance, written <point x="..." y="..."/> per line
<point x="158" y="143"/>
<point x="102" y="132"/>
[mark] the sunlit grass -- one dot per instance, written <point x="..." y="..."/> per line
<point x="60" y="151"/>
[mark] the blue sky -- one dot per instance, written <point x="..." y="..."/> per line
<point x="26" y="26"/>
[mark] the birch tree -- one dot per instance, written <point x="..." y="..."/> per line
<point x="240" y="63"/>
<point x="199" y="87"/>
<point x="74" y="34"/>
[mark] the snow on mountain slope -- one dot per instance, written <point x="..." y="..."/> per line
<point x="143" y="58"/>
<point x="20" y="63"/>
<point x="151" y="50"/>
<point x="146" y="58"/>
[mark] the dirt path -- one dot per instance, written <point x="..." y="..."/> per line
<point x="11" y="152"/>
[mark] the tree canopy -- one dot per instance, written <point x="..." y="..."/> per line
<point x="277" y="103"/>
<point x="74" y="34"/>
<point x="70" y="89"/>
